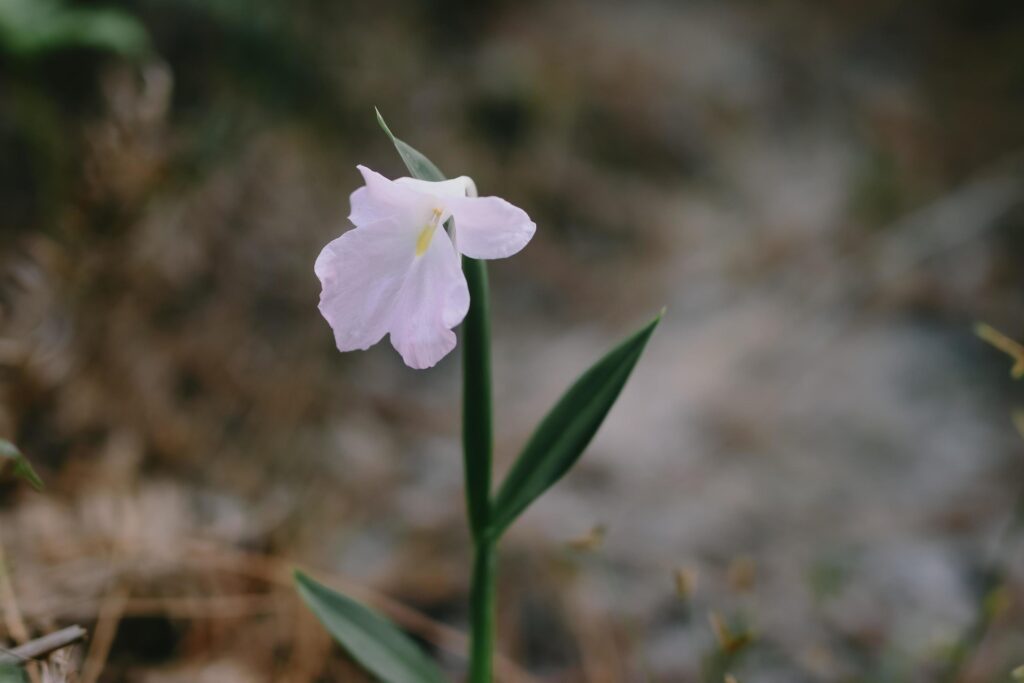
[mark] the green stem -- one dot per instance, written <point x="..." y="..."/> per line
<point x="476" y="399"/>
<point x="477" y="438"/>
<point x="482" y="609"/>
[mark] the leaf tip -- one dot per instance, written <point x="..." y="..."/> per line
<point x="20" y="467"/>
<point x="30" y="476"/>
<point x="300" y="577"/>
<point x="648" y="329"/>
<point x="383" y="124"/>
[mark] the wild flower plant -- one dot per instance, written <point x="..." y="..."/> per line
<point x="398" y="272"/>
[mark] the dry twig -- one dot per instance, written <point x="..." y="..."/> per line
<point x="106" y="629"/>
<point x="40" y="647"/>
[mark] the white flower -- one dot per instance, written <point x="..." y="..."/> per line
<point x="398" y="271"/>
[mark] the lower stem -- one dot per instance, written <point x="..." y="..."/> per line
<point x="477" y="419"/>
<point x="482" y="600"/>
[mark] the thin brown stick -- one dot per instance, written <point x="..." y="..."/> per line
<point x="183" y="607"/>
<point x="40" y="647"/>
<point x="13" y="621"/>
<point x="110" y="615"/>
<point x="310" y="646"/>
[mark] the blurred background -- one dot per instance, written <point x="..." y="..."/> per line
<point x="810" y="477"/>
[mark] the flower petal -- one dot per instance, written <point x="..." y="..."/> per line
<point x="489" y="227"/>
<point x="362" y="273"/>
<point x="434" y="298"/>
<point x="381" y="198"/>
<point x="456" y="187"/>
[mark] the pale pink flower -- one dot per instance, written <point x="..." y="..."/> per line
<point x="398" y="271"/>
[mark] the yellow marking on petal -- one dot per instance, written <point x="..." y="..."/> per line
<point x="427" y="233"/>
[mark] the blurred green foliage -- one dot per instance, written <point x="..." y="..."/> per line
<point x="235" y="66"/>
<point x="11" y="460"/>
<point x="34" y="27"/>
<point x="11" y="674"/>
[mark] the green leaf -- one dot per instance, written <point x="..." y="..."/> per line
<point x="375" y="643"/>
<point x="11" y="674"/>
<point x="11" y="457"/>
<point x="564" y="433"/>
<point x="420" y="166"/>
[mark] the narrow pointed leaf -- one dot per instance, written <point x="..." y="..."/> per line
<point x="566" y="431"/>
<point x="419" y="166"/>
<point x="11" y="460"/>
<point x="371" y="640"/>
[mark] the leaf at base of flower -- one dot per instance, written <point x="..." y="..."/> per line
<point x="418" y="164"/>
<point x="371" y="640"/>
